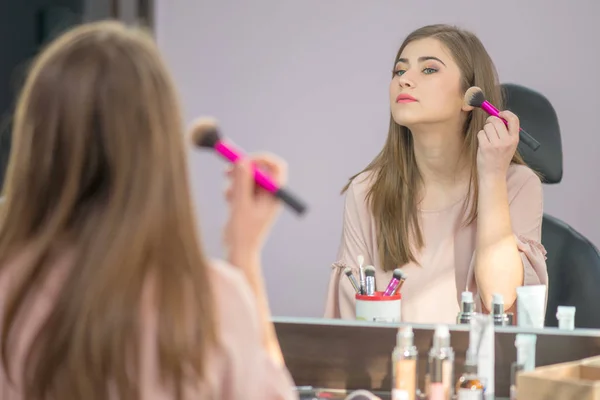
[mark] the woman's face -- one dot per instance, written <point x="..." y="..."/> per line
<point x="426" y="87"/>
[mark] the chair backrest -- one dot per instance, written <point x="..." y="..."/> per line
<point x="573" y="261"/>
<point x="573" y="272"/>
<point x="538" y="117"/>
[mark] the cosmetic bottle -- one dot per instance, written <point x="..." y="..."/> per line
<point x="441" y="356"/>
<point x="469" y="385"/>
<point x="566" y="318"/>
<point x="437" y="391"/>
<point x="498" y="314"/>
<point x="467" y="308"/>
<point x="404" y="364"/>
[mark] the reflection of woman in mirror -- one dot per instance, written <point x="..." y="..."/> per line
<point x="105" y="291"/>
<point x="448" y="199"/>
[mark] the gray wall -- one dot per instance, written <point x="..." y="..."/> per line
<point x="309" y="80"/>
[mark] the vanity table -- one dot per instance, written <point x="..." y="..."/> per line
<point x="346" y="355"/>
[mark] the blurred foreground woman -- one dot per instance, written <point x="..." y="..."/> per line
<point x="105" y="291"/>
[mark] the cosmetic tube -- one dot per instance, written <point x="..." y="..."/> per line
<point x="525" y="344"/>
<point x="531" y="302"/>
<point x="481" y="339"/>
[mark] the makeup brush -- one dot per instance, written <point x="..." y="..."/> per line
<point x="361" y="273"/>
<point x="369" y="280"/>
<point x="474" y="97"/>
<point x="397" y="280"/>
<point x="352" y="279"/>
<point x="205" y="133"/>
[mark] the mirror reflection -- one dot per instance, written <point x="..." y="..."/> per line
<point x="459" y="202"/>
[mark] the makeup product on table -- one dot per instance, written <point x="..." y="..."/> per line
<point x="531" y="305"/>
<point x="467" y="308"/>
<point x="498" y="314"/>
<point x="396" y="282"/>
<point x="369" y="280"/>
<point x="352" y="279"/>
<point x="361" y="274"/>
<point x="566" y="317"/>
<point x="441" y="364"/>
<point x="404" y="365"/>
<point x="470" y="386"/>
<point x="437" y="389"/>
<point x="205" y="133"/>
<point x="482" y="343"/>
<point x="474" y="97"/>
<point x="525" y="344"/>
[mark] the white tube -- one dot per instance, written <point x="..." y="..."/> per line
<point x="566" y="317"/>
<point x="482" y="334"/>
<point x="531" y="306"/>
<point x="525" y="344"/>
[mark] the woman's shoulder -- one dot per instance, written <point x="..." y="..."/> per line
<point x="519" y="176"/>
<point x="359" y="185"/>
<point x="233" y="295"/>
<point x="229" y="285"/>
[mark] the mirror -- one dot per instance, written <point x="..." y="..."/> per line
<point x="310" y="81"/>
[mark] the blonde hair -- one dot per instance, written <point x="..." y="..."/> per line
<point x="98" y="162"/>
<point x="393" y="195"/>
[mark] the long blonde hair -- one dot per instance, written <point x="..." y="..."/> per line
<point x="393" y="195"/>
<point x="98" y="163"/>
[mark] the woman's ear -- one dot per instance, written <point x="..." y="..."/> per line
<point x="467" y="108"/>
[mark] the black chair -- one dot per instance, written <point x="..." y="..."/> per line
<point x="573" y="261"/>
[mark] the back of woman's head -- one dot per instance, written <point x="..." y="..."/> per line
<point x="98" y="167"/>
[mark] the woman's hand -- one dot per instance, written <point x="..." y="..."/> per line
<point x="252" y="210"/>
<point x="497" y="145"/>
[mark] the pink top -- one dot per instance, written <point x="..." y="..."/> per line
<point x="241" y="369"/>
<point x="431" y="292"/>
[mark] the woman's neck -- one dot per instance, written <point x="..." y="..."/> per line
<point x="441" y="158"/>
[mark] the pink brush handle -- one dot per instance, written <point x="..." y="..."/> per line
<point x="523" y="136"/>
<point x="391" y="288"/>
<point x="232" y="154"/>
<point x="493" y="111"/>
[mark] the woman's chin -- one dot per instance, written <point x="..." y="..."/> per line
<point x="406" y="120"/>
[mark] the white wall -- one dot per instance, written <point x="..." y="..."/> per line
<point x="309" y="80"/>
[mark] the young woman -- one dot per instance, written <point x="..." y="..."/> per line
<point x="448" y="199"/>
<point x="105" y="291"/>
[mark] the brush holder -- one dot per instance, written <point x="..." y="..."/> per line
<point x="378" y="308"/>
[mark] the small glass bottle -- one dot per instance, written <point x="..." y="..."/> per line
<point x="469" y="386"/>
<point x="499" y="316"/>
<point x="441" y="356"/>
<point x="404" y="365"/>
<point x="437" y="391"/>
<point x="467" y="308"/>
